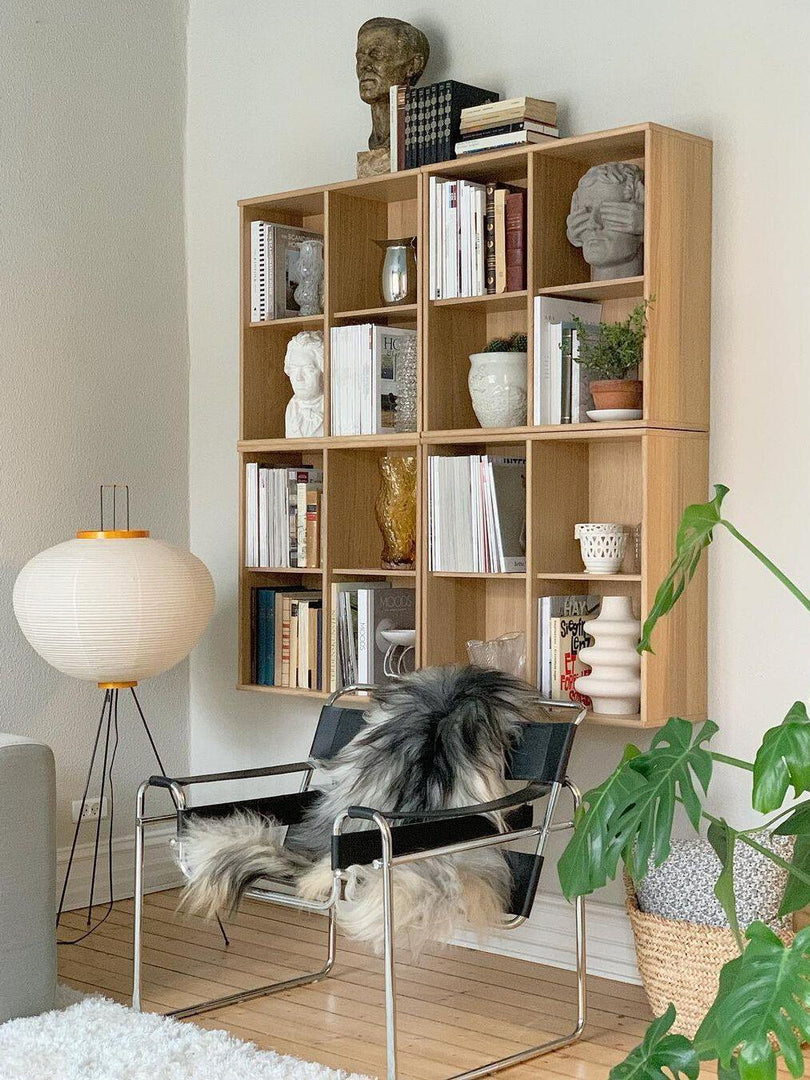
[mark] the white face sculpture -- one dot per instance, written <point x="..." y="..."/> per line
<point x="607" y="220"/>
<point x="303" y="364"/>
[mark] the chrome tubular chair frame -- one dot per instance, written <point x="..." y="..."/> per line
<point x="386" y="863"/>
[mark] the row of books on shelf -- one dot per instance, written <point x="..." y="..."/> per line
<point x="361" y="611"/>
<point x="447" y="119"/>
<point x="477" y="238"/>
<point x="477" y="514"/>
<point x="365" y="378"/>
<point x="282" y="516"/>
<point x="561" y="384"/>
<point x="274" y="275"/>
<point x="425" y="121"/>
<point x="562" y="630"/>
<point x="287" y="638"/>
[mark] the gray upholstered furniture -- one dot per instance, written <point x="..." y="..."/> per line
<point x="27" y="877"/>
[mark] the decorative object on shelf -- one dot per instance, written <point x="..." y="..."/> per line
<point x="309" y="291"/>
<point x="390" y="52"/>
<point x="396" y="511"/>
<point x="505" y="653"/>
<point x="303" y="365"/>
<point x="497" y="382"/>
<point x="401" y="645"/>
<point x="607" y="220"/>
<point x="112" y="607"/>
<point x="609" y="352"/>
<point x="614" y="684"/>
<point x="398" y="277"/>
<point x="603" y="546"/>
<point x="405" y="415"/>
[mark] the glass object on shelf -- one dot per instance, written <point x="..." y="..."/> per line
<point x="505" y="653"/>
<point x="396" y="511"/>
<point x="398" y="280"/>
<point x="309" y="291"/>
<point x="405" y="405"/>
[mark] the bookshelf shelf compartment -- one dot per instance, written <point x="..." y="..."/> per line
<point x="613" y="289"/>
<point x="389" y="312"/>
<point x="505" y="301"/>
<point x="634" y="472"/>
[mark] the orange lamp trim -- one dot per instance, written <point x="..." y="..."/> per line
<point x="112" y="534"/>
<point x="117" y="685"/>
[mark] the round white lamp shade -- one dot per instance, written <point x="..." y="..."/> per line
<point x="113" y="608"/>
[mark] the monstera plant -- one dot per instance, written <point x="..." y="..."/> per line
<point x="762" y="1007"/>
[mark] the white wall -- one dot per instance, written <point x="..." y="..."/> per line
<point x="93" y="341"/>
<point x="272" y="104"/>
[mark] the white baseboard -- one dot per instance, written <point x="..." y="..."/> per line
<point x="548" y="938"/>
<point x="160" y="870"/>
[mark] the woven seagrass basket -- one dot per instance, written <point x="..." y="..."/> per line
<point x="680" y="962"/>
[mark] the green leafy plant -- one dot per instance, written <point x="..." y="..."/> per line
<point x="515" y="343"/>
<point x="611" y="350"/>
<point x="763" y="998"/>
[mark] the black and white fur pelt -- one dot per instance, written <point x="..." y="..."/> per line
<point x="435" y="740"/>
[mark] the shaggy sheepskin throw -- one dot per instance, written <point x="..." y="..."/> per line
<point x="435" y="740"/>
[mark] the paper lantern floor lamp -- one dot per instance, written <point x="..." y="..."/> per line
<point x="113" y="607"/>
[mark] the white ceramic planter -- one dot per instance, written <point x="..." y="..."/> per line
<point x="497" y="383"/>
<point x="614" y="684"/>
<point x="602" y="545"/>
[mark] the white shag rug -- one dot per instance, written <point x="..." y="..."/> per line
<point x="98" y="1039"/>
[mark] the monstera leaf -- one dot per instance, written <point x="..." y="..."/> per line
<point x="722" y="838"/>
<point x="630" y="814"/>
<point x="764" y="991"/>
<point x="783" y="759"/>
<point x="657" y="1052"/>
<point x="676" y="755"/>
<point x="694" y="534"/>
<point x="591" y="857"/>
<point x="797" y="892"/>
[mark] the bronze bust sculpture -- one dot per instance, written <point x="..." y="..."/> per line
<point x="389" y="52"/>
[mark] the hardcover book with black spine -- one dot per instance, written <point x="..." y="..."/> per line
<point x="489" y="237"/>
<point x="457" y="96"/>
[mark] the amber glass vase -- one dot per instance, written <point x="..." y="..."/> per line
<point x="396" y="512"/>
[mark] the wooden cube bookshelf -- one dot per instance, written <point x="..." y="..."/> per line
<point x="641" y="472"/>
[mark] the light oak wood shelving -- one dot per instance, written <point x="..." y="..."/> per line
<point x="639" y="472"/>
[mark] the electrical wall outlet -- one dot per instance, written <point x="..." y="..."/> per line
<point x="93" y="809"/>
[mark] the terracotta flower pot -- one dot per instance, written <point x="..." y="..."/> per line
<point x="617" y="393"/>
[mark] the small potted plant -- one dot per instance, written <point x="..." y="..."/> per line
<point x="609" y="352"/>
<point x="497" y="382"/>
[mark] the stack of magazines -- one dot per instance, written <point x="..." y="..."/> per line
<point x="364" y="377"/>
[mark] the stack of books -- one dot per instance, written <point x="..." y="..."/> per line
<point x="477" y="514"/>
<point x="282" y="516"/>
<point x="562" y="630"/>
<point x="274" y="260"/>
<point x="498" y="124"/>
<point x="360" y="610"/>
<point x="364" y="377"/>
<point x="426" y="120"/>
<point x="477" y="238"/>
<point x="287" y="638"/>
<point x="561" y="385"/>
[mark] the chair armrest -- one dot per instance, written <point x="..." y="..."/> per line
<point x="529" y="793"/>
<point x="236" y="774"/>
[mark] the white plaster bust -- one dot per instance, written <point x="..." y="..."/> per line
<point x="607" y="220"/>
<point x="303" y="365"/>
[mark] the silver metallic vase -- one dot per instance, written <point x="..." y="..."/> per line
<point x="398" y="283"/>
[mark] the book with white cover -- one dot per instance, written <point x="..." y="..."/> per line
<point x="549" y="314"/>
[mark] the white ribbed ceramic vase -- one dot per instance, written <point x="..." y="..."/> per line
<point x="614" y="684"/>
<point x="113" y="608"/>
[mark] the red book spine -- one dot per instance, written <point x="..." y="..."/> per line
<point x="515" y="241"/>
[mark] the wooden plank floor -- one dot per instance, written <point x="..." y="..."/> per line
<point x="458" y="1008"/>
